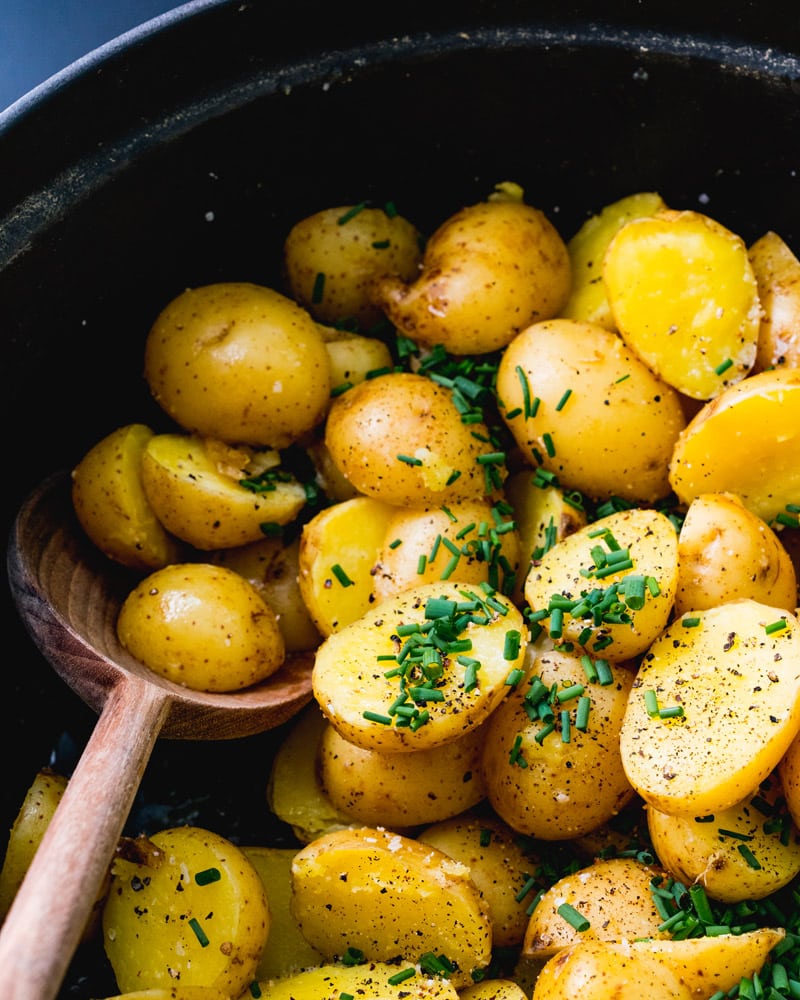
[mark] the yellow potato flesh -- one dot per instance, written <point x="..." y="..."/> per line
<point x="777" y="272"/>
<point x="738" y="686"/>
<point x="746" y="441"/>
<point x="494" y="989"/>
<point x="371" y="980"/>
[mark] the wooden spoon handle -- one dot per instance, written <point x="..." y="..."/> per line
<point x="47" y="918"/>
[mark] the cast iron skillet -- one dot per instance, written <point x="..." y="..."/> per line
<point x="182" y="153"/>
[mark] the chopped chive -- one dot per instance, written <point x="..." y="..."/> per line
<point x="492" y="458"/>
<point x="651" y="703"/>
<point x="199" y="933"/>
<point x="207" y="876"/>
<point x="341" y="576"/>
<point x="395" y="543"/>
<point x="562" y="402"/>
<point x="732" y="833"/>
<point x="514" y="677"/>
<point x="549" y="447"/>
<point x="604" y="674"/>
<point x="409" y="459"/>
<point x="318" y="289"/>
<point x="721" y="368"/>
<point x="385" y="720"/>
<point x="672" y="712"/>
<point x="526" y="391"/>
<point x="255" y="990"/>
<point x="570" y="692"/>
<point x="777" y="626"/>
<point x="565" y="725"/>
<point x="341" y="389"/>
<point x="511" y="646"/>
<point x="544" y="732"/>
<point x="582" y="713"/>
<point x="749" y="857"/>
<point x="690" y="622"/>
<point x="381" y="244"/>
<point x="351" y="213"/>
<point x="421" y="564"/>
<point x="401" y="977"/>
<point x="573" y="917"/>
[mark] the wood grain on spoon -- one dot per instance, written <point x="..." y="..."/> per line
<point x="68" y="596"/>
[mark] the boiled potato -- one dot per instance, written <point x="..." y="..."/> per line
<point x="111" y="504"/>
<point x="715" y="706"/>
<point x="354" y="358"/>
<point x="789" y="774"/>
<point x="327" y="475"/>
<point x="684" y="297"/>
<point x="587" y="299"/>
<point x="174" y="993"/>
<point x="628" y="559"/>
<point x="421" y="669"/>
<point x="400" y="789"/>
<point x="272" y="567"/>
<point x="581" y="405"/>
<point x="368" y="889"/>
<point x="488" y="271"/>
<point x="333" y="257"/>
<point x="552" y="775"/>
<point x="400" y="438"/>
<point x="202" y="626"/>
<point x="214" y="496"/>
<point x="746" y="441"/>
<point x="726" y="552"/>
<point x="370" y="981"/>
<point x="493" y="989"/>
<point x="777" y="272"/>
<point x="500" y="863"/>
<point x="339" y="548"/>
<point x="193" y="910"/>
<point x="473" y="541"/>
<point x="240" y="363"/>
<point x="745" y="852"/>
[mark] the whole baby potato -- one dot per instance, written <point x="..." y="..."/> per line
<point x="238" y="362"/>
<point x="202" y="626"/>
<point x="777" y="272"/>
<point x="400" y="438"/>
<point x="488" y="271"/>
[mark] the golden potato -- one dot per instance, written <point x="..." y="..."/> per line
<point x="327" y="475"/>
<point x="174" y="993"/>
<point x="333" y="257"/>
<point x="777" y="272"/>
<point x="202" y="626"/>
<point x="684" y="297"/>
<point x="552" y="772"/>
<point x="420" y="670"/>
<point x="488" y="271"/>
<point x="400" y="438"/>
<point x="715" y="705"/>
<point x="111" y="504"/>
<point x="581" y="405"/>
<point x="353" y="358"/>
<point x="725" y="552"/>
<point x="367" y="981"/>
<point x="368" y="889"/>
<point x="493" y="989"/>
<point x="238" y="362"/>
<point x="214" y="496"/>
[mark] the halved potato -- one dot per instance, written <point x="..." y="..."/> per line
<point x="367" y="981"/>
<point x="777" y="272"/>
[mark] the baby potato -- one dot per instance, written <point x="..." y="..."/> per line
<point x="202" y="626"/>
<point x="551" y="772"/>
<point x="389" y="896"/>
<point x="493" y="989"/>
<point x="473" y="541"/>
<point x="397" y="790"/>
<point x="400" y="438"/>
<point x="238" y="362"/>
<point x="613" y="895"/>
<point x="587" y="299"/>
<point x="726" y="552"/>
<point x="777" y="272"/>
<point x="333" y="258"/>
<point x="488" y="271"/>
<point x="194" y="910"/>
<point x="628" y="559"/>
<point x="174" y="993"/>
<point x="367" y="981"/>
<point x="214" y="496"/>
<point x="684" y="297"/>
<point x="272" y="567"/>
<point x="748" y="851"/>
<point x="421" y="669"/>
<point x="715" y="705"/>
<point x="581" y="405"/>
<point x="111" y="504"/>
<point x="746" y="441"/>
<point x="353" y="357"/>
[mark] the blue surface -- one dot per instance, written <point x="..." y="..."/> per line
<point x="40" y="37"/>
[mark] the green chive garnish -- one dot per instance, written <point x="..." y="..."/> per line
<point x="199" y="932"/>
<point x="573" y="918"/>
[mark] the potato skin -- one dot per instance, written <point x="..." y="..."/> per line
<point x="777" y="272"/>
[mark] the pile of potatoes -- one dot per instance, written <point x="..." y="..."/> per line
<point x="533" y="504"/>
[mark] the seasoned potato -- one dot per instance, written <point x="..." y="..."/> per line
<point x="174" y="993"/>
<point x="333" y="257"/>
<point x="353" y="357"/>
<point x="368" y="888"/>
<point x="493" y="989"/>
<point x="581" y="405"/>
<point x="240" y="363"/>
<point x="726" y="552"/>
<point x="328" y="476"/>
<point x="550" y="773"/>
<point x="587" y="299"/>
<point x="628" y="559"/>
<point x="715" y="706"/>
<point x="370" y="981"/>
<point x="473" y="541"/>
<point x="400" y="438"/>
<point x="777" y="272"/>
<point x="612" y="895"/>
<point x="214" y="496"/>
<point x="192" y="909"/>
<point x="111" y="504"/>
<point x="762" y="416"/>
<point x="397" y="790"/>
<point x="684" y="297"/>
<point x="499" y="864"/>
<point x="201" y="626"/>
<point x="745" y="852"/>
<point x="488" y="271"/>
<point x="421" y="669"/>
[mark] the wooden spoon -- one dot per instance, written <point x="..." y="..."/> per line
<point x="68" y="596"/>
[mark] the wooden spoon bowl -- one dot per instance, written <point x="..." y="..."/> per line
<point x="68" y="595"/>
